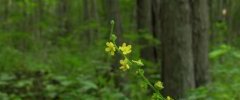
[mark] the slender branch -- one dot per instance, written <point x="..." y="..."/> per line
<point x="149" y="83"/>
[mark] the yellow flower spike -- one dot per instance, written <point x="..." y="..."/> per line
<point x="126" y="49"/>
<point x="169" y="98"/>
<point x="158" y="85"/>
<point x="124" y="65"/>
<point x="110" y="48"/>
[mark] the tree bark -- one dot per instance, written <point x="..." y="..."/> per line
<point x="156" y="18"/>
<point x="5" y="7"/>
<point x="144" y="17"/>
<point x="39" y="15"/>
<point x="144" y="27"/>
<point x="64" y="21"/>
<point x="200" y="28"/>
<point x="90" y="18"/>
<point x="156" y="24"/>
<point x="234" y="21"/>
<point x="177" y="59"/>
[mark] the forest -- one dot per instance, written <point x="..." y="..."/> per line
<point x="119" y="50"/>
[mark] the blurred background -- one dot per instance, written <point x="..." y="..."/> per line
<point x="54" y="49"/>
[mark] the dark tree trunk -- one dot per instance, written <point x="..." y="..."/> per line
<point x="86" y="17"/>
<point x="234" y="22"/>
<point x="156" y="18"/>
<point x="64" y="21"/>
<point x="144" y="27"/>
<point x="39" y="16"/>
<point x="200" y="28"/>
<point x="94" y="18"/>
<point x="5" y="7"/>
<point x="156" y="30"/>
<point x="90" y="17"/>
<point x="144" y="18"/>
<point x="177" y="59"/>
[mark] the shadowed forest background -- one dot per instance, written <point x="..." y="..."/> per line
<point x="55" y="49"/>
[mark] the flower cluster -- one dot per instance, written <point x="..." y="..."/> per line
<point x="125" y="50"/>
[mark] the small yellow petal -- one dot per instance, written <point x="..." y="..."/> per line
<point x="129" y="46"/>
<point x="121" y="61"/>
<point x="107" y="49"/>
<point x="112" y="53"/>
<point x="107" y="43"/>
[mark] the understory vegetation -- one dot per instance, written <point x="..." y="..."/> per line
<point x="109" y="50"/>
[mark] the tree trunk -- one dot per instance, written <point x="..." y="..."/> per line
<point x="144" y="18"/>
<point x="94" y="18"/>
<point x="39" y="16"/>
<point x="234" y="21"/>
<point x="156" y="18"/>
<point x="5" y="7"/>
<point x="64" y="21"/>
<point x="200" y="28"/>
<point x="177" y="59"/>
<point x="90" y="18"/>
<point x="156" y="30"/>
<point x="144" y="27"/>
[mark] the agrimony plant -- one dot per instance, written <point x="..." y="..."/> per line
<point x="125" y="64"/>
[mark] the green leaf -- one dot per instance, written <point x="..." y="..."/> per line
<point x="236" y="54"/>
<point x="23" y="83"/>
<point x="89" y="85"/>
<point x="138" y="62"/>
<point x="223" y="49"/>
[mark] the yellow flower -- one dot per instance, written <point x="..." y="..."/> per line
<point x="169" y="98"/>
<point x="110" y="48"/>
<point x="126" y="49"/>
<point x="158" y="85"/>
<point x="124" y="64"/>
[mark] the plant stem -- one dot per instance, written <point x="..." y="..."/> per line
<point x="149" y="83"/>
<point x="112" y="27"/>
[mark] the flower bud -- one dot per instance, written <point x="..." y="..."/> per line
<point x="158" y="85"/>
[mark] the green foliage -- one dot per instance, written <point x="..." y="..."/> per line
<point x="48" y="71"/>
<point x="36" y="62"/>
<point x="225" y="76"/>
<point x="222" y="50"/>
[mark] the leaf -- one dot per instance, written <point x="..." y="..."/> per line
<point x="223" y="49"/>
<point x="23" y="83"/>
<point x="215" y="54"/>
<point x="138" y="62"/>
<point x="6" y="77"/>
<point x="88" y="85"/>
<point x="236" y="54"/>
